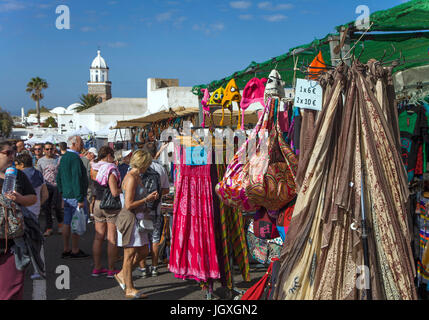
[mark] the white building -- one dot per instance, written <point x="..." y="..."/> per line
<point x="162" y="94"/>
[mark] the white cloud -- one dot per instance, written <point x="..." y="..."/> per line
<point x="164" y="16"/>
<point x="179" y="21"/>
<point x="275" y="18"/>
<point x="11" y="5"/>
<point x="209" y="29"/>
<point x="266" y="5"/>
<point x="87" y="29"/>
<point x="117" y="44"/>
<point x="245" y="17"/>
<point x="44" y="6"/>
<point x="240" y="4"/>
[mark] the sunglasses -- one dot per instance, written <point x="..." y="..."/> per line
<point x="37" y="149"/>
<point x="48" y="149"/>
<point x="8" y="152"/>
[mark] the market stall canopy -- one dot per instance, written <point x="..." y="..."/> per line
<point x="104" y="133"/>
<point x="409" y="16"/>
<point x="159" y="116"/>
<point x="82" y="131"/>
<point x="52" y="138"/>
<point x="119" y="135"/>
<point x="251" y="117"/>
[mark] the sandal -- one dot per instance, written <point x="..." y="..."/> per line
<point x="121" y="284"/>
<point x="136" y="296"/>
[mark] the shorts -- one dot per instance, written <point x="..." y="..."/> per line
<point x="157" y="227"/>
<point x="104" y="216"/>
<point x="70" y="206"/>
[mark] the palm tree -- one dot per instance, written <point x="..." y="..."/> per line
<point x="35" y="87"/>
<point x="87" y="101"/>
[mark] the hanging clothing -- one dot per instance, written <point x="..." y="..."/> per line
<point x="324" y="245"/>
<point x="413" y="126"/>
<point x="193" y="248"/>
<point x="422" y="213"/>
<point x="232" y="238"/>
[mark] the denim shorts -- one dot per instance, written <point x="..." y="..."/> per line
<point x="70" y="206"/>
<point x="157" y="227"/>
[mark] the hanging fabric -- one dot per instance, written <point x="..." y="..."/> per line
<point x="319" y="260"/>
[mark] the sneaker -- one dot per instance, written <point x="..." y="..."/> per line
<point x="79" y="255"/>
<point x="111" y="273"/>
<point x="48" y="232"/>
<point x="99" y="272"/>
<point x="66" y="254"/>
<point x="154" y="271"/>
<point x="145" y="272"/>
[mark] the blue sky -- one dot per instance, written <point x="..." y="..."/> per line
<point x="196" y="41"/>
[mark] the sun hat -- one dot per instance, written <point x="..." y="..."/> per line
<point x="94" y="151"/>
<point x="126" y="153"/>
<point x="253" y="92"/>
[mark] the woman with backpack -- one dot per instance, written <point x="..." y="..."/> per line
<point x="105" y="175"/>
<point x="12" y="279"/>
<point x="132" y="235"/>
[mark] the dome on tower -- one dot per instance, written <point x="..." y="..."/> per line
<point x="99" y="62"/>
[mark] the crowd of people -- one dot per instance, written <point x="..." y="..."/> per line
<point x="120" y="192"/>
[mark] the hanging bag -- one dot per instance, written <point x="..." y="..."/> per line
<point x="232" y="188"/>
<point x="264" y="227"/>
<point x="271" y="178"/>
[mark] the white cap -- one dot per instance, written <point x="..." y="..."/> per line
<point x="94" y="151"/>
<point x="125" y="153"/>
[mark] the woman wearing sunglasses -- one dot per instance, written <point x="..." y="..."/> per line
<point x="11" y="279"/>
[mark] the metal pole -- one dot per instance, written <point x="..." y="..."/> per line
<point x="365" y="239"/>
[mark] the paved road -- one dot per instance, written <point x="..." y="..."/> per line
<point x="85" y="287"/>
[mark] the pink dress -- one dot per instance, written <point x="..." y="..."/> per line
<point x="193" y="249"/>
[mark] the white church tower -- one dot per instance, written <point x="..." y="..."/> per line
<point x="99" y="83"/>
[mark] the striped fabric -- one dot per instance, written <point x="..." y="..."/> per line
<point x="422" y="212"/>
<point x="233" y="234"/>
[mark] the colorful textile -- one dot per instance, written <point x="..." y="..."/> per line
<point x="422" y="212"/>
<point x="233" y="234"/>
<point x="193" y="247"/>
<point x="104" y="169"/>
<point x="353" y="149"/>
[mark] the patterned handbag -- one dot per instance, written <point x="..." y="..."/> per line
<point x="11" y="219"/>
<point x="232" y="188"/>
<point x="271" y="178"/>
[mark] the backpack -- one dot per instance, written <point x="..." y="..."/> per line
<point x="151" y="180"/>
<point x="11" y="220"/>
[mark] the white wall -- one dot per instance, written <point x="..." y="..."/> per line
<point x="170" y="97"/>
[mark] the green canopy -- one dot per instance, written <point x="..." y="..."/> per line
<point x="409" y="16"/>
<point x="413" y="15"/>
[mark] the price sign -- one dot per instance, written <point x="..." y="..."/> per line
<point x="308" y="94"/>
<point x="196" y="156"/>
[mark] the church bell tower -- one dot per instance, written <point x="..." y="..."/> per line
<point x="99" y="83"/>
